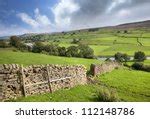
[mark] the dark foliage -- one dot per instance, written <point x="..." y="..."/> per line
<point x="15" y="41"/>
<point x="3" y="44"/>
<point x="120" y="57"/>
<point x="85" y="51"/>
<point x="139" y="56"/>
<point x="52" y="49"/>
<point x="137" y="66"/>
<point x="72" y="51"/>
<point x="141" y="66"/>
<point x="38" y="47"/>
<point x="75" y="41"/>
<point x="62" y="51"/>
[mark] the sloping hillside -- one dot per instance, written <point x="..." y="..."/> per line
<point x="142" y="24"/>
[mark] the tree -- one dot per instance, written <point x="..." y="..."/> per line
<point x="139" y="56"/>
<point x="38" y="47"/>
<point x="86" y="51"/>
<point x="120" y="57"/>
<point x="137" y="66"/>
<point x="72" y="51"/>
<point x="126" y="57"/>
<point x="22" y="47"/>
<point x="62" y="51"/>
<point x="15" y="41"/>
<point x="52" y="49"/>
<point x="125" y="31"/>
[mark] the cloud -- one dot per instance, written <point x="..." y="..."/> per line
<point x="117" y="3"/>
<point x="28" y="20"/>
<point x="124" y="13"/>
<point x="39" y="20"/>
<point x="89" y="13"/>
<point x="63" y="12"/>
<point x="38" y="24"/>
<point x="77" y="14"/>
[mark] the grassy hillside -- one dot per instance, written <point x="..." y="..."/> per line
<point x="25" y="58"/>
<point x="126" y="48"/>
<point x="131" y="85"/>
<point x="76" y="94"/>
<point x="106" y="42"/>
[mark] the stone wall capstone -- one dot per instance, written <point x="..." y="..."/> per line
<point x="17" y="81"/>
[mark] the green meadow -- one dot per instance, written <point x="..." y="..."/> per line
<point x="26" y="58"/>
<point x="106" y="42"/>
<point x="131" y="85"/>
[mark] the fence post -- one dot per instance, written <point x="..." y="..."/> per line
<point x="23" y="83"/>
<point x="49" y="82"/>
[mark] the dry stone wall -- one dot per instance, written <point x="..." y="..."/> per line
<point x="63" y="77"/>
<point x="103" y="68"/>
<point x="10" y="83"/>
<point x="17" y="81"/>
<point x="35" y="80"/>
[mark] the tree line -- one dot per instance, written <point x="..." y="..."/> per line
<point x="123" y="57"/>
<point x="139" y="57"/>
<point x="82" y="51"/>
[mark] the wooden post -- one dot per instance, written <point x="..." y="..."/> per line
<point x="23" y="83"/>
<point x="49" y="79"/>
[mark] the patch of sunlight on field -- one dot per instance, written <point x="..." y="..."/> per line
<point x="98" y="49"/>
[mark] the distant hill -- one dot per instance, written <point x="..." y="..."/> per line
<point x="4" y="37"/>
<point x="134" y="25"/>
<point x="142" y="24"/>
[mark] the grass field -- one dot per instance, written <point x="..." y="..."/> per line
<point x="131" y="85"/>
<point x="25" y="58"/>
<point x="97" y="48"/>
<point x="76" y="94"/>
<point x="126" y="48"/>
<point x="108" y="42"/>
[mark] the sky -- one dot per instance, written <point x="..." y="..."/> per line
<point x="45" y="16"/>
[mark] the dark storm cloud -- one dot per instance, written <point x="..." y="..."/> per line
<point x="92" y="11"/>
<point x="130" y="3"/>
<point x="92" y="7"/>
<point x="89" y="11"/>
